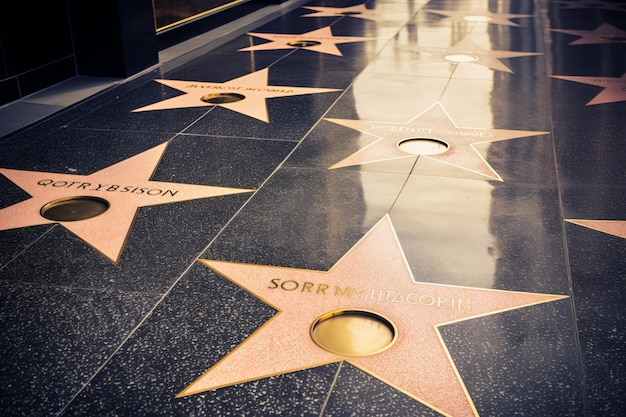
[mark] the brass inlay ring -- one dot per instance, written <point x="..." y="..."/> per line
<point x="613" y="38"/>
<point x="70" y="209"/>
<point x="304" y="43"/>
<point x="423" y="146"/>
<point x="222" y="98"/>
<point x="353" y="332"/>
<point x="461" y="58"/>
<point x="478" y="18"/>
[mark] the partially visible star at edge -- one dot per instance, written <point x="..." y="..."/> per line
<point x="605" y="33"/>
<point x="108" y="231"/>
<point x="590" y="4"/>
<point x="374" y="275"/>
<point x="614" y="88"/>
<point x="468" y="47"/>
<point x="434" y="123"/>
<point x="470" y="16"/>
<point x="359" y="11"/>
<point x="324" y="36"/>
<point x="611" y="227"/>
<point x="253" y="87"/>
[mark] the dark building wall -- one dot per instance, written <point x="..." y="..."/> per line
<point x="35" y="47"/>
<point x="43" y="42"/>
<point x="116" y="39"/>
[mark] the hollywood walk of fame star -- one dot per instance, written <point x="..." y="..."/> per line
<point x="245" y="94"/>
<point x="318" y="40"/>
<point x="373" y="276"/>
<point x="358" y="11"/>
<point x="467" y="51"/>
<point x="434" y="123"/>
<point x="480" y="15"/>
<point x="604" y="33"/>
<point x="611" y="227"/>
<point x="614" y="87"/>
<point x="126" y="186"/>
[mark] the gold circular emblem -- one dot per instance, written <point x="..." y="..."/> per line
<point x="461" y="58"/>
<point x="69" y="209"/>
<point x="304" y="43"/>
<point x="423" y="146"/>
<point x="222" y="98"/>
<point x="353" y="332"/>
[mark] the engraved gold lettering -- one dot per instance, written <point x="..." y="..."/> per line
<point x="427" y="300"/>
<point x="375" y="295"/>
<point x="293" y="285"/>
<point x="321" y="288"/>
<point x="397" y="298"/>
<point x="442" y="302"/>
<point x="107" y="187"/>
<point x="274" y="282"/>
<point x="172" y="193"/>
<point x="343" y="292"/>
<point x="410" y="298"/>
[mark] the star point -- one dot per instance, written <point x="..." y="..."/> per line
<point x="359" y="11"/>
<point x="373" y="276"/>
<point x="590" y="4"/>
<point x="467" y="51"/>
<point x="604" y="33"/>
<point x="614" y="88"/>
<point x="434" y="124"/>
<point x="246" y="94"/>
<point x="125" y="186"/>
<point x="611" y="227"/>
<point x="319" y="40"/>
<point x="480" y="15"/>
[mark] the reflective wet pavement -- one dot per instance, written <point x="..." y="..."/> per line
<point x="454" y="169"/>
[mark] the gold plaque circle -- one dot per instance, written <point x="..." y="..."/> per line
<point x="353" y="332"/>
<point x="423" y="146"/>
<point x="69" y="209"/>
<point x="461" y="58"/>
<point x="478" y="18"/>
<point x="304" y="43"/>
<point x="222" y="98"/>
<point x="613" y="38"/>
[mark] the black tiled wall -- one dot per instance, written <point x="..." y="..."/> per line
<point x="44" y="42"/>
<point x="36" y="47"/>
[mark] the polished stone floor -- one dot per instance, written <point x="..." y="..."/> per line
<point x="390" y="208"/>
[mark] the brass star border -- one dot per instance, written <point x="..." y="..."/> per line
<point x="319" y="40"/>
<point x="610" y="227"/>
<point x="374" y="275"/>
<point x="246" y="94"/>
<point x="480" y="15"/>
<point x="467" y="47"/>
<point x="605" y="33"/>
<point x="613" y="88"/>
<point x="590" y="4"/>
<point x="126" y="186"/>
<point x="433" y="123"/>
<point x="359" y="11"/>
